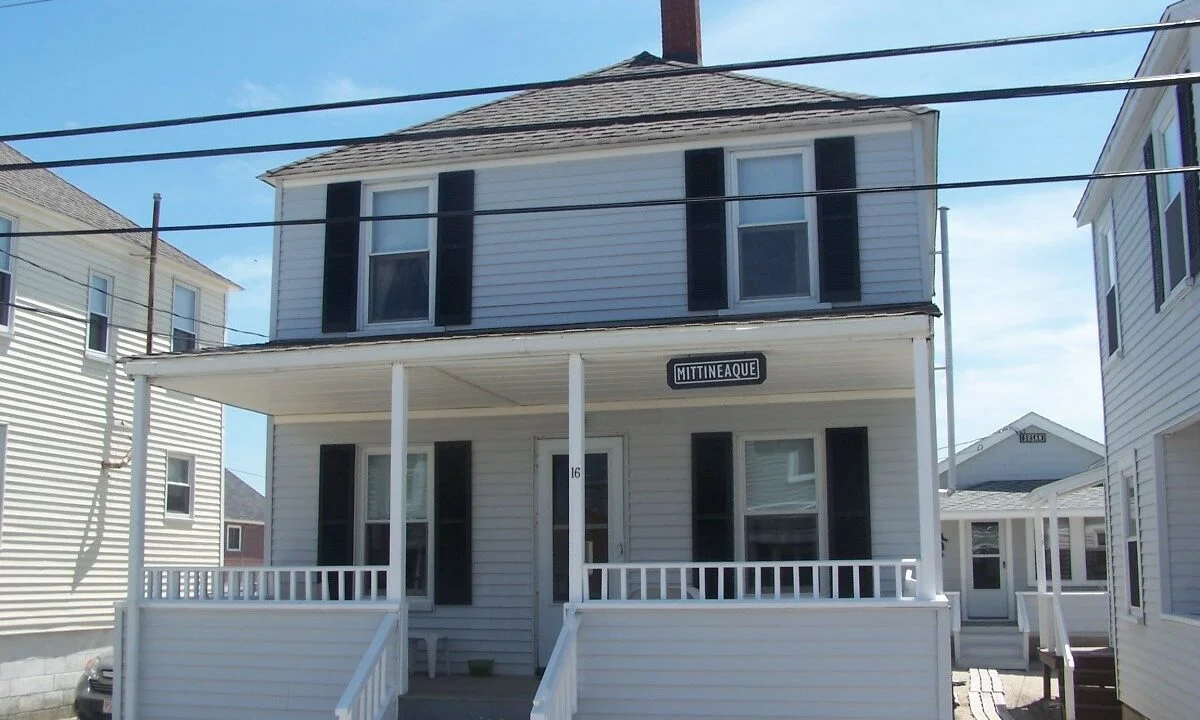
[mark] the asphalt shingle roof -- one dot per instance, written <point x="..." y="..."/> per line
<point x="997" y="495"/>
<point x="598" y="102"/>
<point x="243" y="502"/>
<point x="45" y="189"/>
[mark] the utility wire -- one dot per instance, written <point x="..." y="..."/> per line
<point x="85" y="320"/>
<point x="24" y="2"/>
<point x="960" y="96"/>
<point x="113" y="295"/>
<point x="607" y="79"/>
<point x="666" y="202"/>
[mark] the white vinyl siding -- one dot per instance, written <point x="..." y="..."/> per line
<point x="500" y="621"/>
<point x="3" y="455"/>
<point x="65" y="518"/>
<point x="1011" y="459"/>
<point x="621" y="265"/>
<point x="778" y="663"/>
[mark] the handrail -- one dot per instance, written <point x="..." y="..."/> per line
<point x="1063" y="643"/>
<point x="1023" y="627"/>
<point x="324" y="583"/>
<point x="557" y="695"/>
<point x="784" y="581"/>
<point x="955" y="599"/>
<point x="374" y="685"/>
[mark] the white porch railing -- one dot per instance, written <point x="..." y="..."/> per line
<point x="955" y="599"/>
<point x="1024" y="625"/>
<point x="375" y="685"/>
<point x="557" y="695"/>
<point x="280" y="584"/>
<point x="1062" y="646"/>
<point x="783" y="581"/>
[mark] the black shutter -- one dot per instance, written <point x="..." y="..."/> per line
<point x="455" y="249"/>
<point x="335" y="505"/>
<point x="452" y="523"/>
<point x="1191" y="181"/>
<point x="712" y="505"/>
<point x="837" y="221"/>
<point x="849" y="501"/>
<point x="704" y="176"/>
<point x="1156" y="257"/>
<point x="339" y="300"/>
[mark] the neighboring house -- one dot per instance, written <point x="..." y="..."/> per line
<point x="735" y="536"/>
<point x="245" y="522"/>
<point x="988" y="524"/>
<point x="65" y="428"/>
<point x="1146" y="238"/>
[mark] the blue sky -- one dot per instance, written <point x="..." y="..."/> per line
<point x="1025" y="335"/>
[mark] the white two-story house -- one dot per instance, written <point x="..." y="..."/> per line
<point x="70" y="306"/>
<point x="1146" y="234"/>
<point x="670" y="452"/>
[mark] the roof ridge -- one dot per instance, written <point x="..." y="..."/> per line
<point x="833" y="94"/>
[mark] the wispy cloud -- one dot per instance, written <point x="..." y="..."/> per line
<point x="254" y="96"/>
<point x="249" y="309"/>
<point x="339" y="88"/>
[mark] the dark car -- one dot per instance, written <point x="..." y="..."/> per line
<point x="93" y="692"/>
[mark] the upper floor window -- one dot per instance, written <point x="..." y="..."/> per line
<point x="99" y="312"/>
<point x="1106" y="254"/>
<point x="773" y="247"/>
<point x="376" y="524"/>
<point x="398" y="256"/>
<point x="1172" y="214"/>
<point x="180" y="484"/>
<point x="233" y="538"/>
<point x="185" y="304"/>
<point x="6" y="278"/>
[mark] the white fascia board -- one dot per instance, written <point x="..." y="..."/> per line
<point x="736" y="139"/>
<point x="1087" y="478"/>
<point x="1028" y="514"/>
<point x="432" y="351"/>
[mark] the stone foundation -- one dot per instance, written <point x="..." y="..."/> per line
<point x="38" y="672"/>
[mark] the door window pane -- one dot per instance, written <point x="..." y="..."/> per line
<point x="985" y="560"/>
<point x="595" y="512"/>
<point x="985" y="538"/>
<point x="1095" y="551"/>
<point x="985" y="573"/>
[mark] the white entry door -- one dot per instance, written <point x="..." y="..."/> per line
<point x="987" y="570"/>
<point x="604" y="524"/>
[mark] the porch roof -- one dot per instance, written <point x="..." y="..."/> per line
<point x="832" y="356"/>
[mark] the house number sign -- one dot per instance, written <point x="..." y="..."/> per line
<point x="716" y="371"/>
<point x="1032" y="437"/>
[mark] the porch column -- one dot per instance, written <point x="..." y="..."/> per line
<point x="575" y="460"/>
<point x="397" y="544"/>
<point x="1055" y="562"/>
<point x="1039" y="565"/>
<point x="927" y="483"/>
<point x="137" y="542"/>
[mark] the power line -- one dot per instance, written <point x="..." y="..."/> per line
<point x="959" y="96"/>
<point x="85" y="320"/>
<point x="113" y="295"/>
<point x="24" y="2"/>
<point x="918" y="187"/>
<point x="607" y="79"/>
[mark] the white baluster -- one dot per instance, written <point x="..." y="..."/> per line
<point x="856" y="569"/>
<point x="643" y="583"/>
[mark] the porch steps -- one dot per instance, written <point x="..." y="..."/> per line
<point x="1095" y="681"/>
<point x="461" y="697"/>
<point x="997" y="646"/>
<point x="415" y="708"/>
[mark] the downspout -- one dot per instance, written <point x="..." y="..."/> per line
<point x="951" y="461"/>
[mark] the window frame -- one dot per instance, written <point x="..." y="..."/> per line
<point x="1105" y="238"/>
<point x="229" y="548"/>
<point x="6" y="324"/>
<point x="191" y="485"/>
<point x="175" y="317"/>
<point x="739" y="489"/>
<point x="1077" y="547"/>
<point x="416" y="602"/>
<point x="107" y="352"/>
<point x="367" y="203"/>
<point x="1164" y="115"/>
<point x="733" y="227"/>
<point x="1131" y="515"/>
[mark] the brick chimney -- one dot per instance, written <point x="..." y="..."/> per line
<point x="681" y="30"/>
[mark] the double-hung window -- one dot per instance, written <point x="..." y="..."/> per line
<point x="1082" y="550"/>
<point x="1172" y="214"/>
<point x="233" y="538"/>
<point x="773" y="243"/>
<point x="398" y="256"/>
<point x="1106" y="255"/>
<point x="184" y="309"/>
<point x="781" y="514"/>
<point x="180" y="483"/>
<point x="99" y="312"/>
<point x="1133" y="557"/>
<point x="6" y="273"/>
<point x="376" y="531"/>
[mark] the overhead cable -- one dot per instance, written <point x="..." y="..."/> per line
<point x="593" y="79"/>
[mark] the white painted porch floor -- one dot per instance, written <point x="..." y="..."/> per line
<point x="462" y="697"/>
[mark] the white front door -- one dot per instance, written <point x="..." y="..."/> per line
<point x="987" y="570"/>
<point x="604" y="524"/>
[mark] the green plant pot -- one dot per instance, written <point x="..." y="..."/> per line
<point x="480" y="667"/>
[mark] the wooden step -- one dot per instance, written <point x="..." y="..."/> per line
<point x="1097" y="712"/>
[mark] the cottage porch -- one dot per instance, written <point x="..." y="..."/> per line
<point x="581" y="579"/>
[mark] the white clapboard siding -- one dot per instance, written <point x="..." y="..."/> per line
<point x="249" y="662"/>
<point x="616" y="265"/>
<point x="770" y="663"/>
<point x="64" y="542"/>
<point x="500" y="622"/>
<point x="1151" y="386"/>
